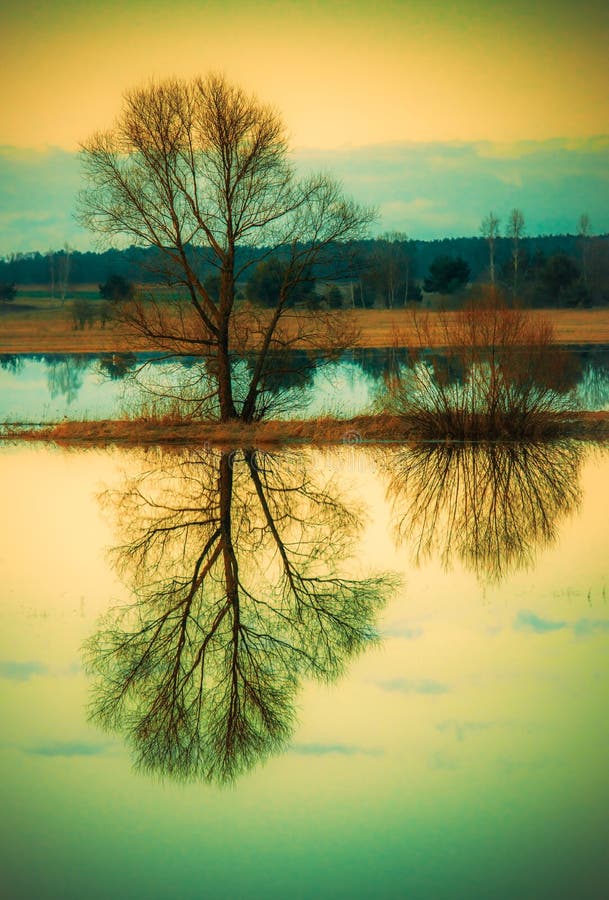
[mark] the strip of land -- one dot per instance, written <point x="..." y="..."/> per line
<point x="40" y="326"/>
<point x="371" y="429"/>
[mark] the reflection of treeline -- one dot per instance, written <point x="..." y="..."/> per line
<point x="294" y="370"/>
<point x="383" y="272"/>
<point x="65" y="372"/>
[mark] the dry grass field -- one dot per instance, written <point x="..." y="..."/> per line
<point x="39" y="324"/>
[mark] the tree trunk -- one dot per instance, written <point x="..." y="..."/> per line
<point x="225" y="387"/>
<point x="227" y="299"/>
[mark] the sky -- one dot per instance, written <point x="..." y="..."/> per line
<point x="440" y="110"/>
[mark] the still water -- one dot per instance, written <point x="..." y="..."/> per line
<point x="352" y="674"/>
<point x="36" y="388"/>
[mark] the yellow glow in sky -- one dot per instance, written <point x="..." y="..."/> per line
<point x="341" y="73"/>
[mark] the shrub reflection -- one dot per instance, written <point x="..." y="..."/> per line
<point x="489" y="505"/>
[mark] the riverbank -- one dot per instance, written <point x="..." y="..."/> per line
<point x="41" y="327"/>
<point x="372" y="429"/>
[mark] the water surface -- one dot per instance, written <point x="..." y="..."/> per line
<point x="38" y="388"/>
<point x="460" y="754"/>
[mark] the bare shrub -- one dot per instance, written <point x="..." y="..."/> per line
<point x="494" y="373"/>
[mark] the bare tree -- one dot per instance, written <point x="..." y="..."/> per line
<point x="390" y="269"/>
<point x="489" y="229"/>
<point x="63" y="271"/>
<point x="51" y="258"/>
<point x="515" y="231"/>
<point x="200" y="165"/>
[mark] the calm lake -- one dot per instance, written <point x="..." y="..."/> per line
<point x="344" y="674"/>
<point x="38" y="388"/>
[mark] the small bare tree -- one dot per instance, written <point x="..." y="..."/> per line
<point x="584" y="231"/>
<point x="200" y="170"/>
<point x="515" y="231"/>
<point x="51" y="258"/>
<point x="489" y="229"/>
<point x="391" y="268"/>
<point x="63" y="271"/>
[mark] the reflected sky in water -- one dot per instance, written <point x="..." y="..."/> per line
<point x="462" y="755"/>
<point x="47" y="388"/>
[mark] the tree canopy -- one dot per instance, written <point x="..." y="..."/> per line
<point x="388" y="272"/>
<point x="268" y="279"/>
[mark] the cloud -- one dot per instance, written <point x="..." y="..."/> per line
<point x="402" y="631"/>
<point x="529" y="621"/>
<point x="443" y="189"/>
<point x="509" y="765"/>
<point x="334" y="750"/>
<point x="582" y="628"/>
<point x="590" y="627"/>
<point x="37" y="199"/>
<point x="12" y="670"/>
<point x="21" y="671"/>
<point x="516" y="150"/>
<point x="65" y="748"/>
<point x="428" y="190"/>
<point x="405" y="686"/>
<point x="461" y="730"/>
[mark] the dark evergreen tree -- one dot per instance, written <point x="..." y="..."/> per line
<point x="447" y="274"/>
<point x="8" y="292"/>
<point x="116" y="289"/>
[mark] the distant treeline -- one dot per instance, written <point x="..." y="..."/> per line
<point x="542" y="259"/>
<point x="144" y="265"/>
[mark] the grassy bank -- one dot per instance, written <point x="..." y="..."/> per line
<point x="359" y="430"/>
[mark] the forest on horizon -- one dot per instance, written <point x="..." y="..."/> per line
<point x="560" y="269"/>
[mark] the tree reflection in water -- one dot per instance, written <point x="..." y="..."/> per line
<point x="65" y="375"/>
<point x="234" y="562"/>
<point x="489" y="505"/>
